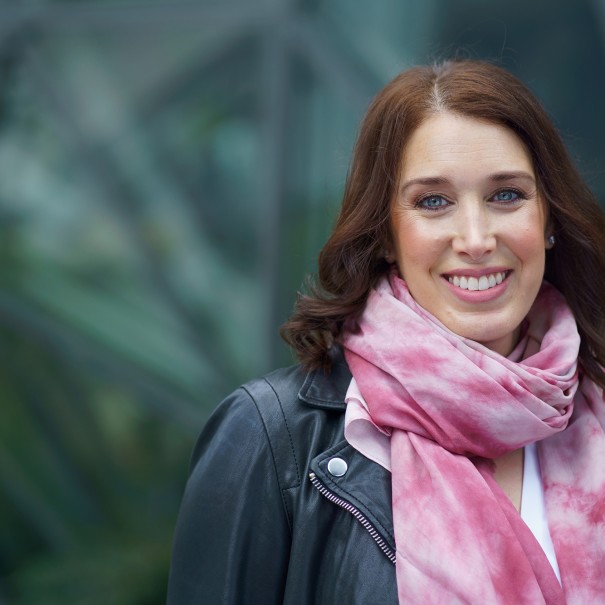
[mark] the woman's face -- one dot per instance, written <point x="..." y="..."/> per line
<point x="469" y="227"/>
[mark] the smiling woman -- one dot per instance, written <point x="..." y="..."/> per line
<point x="469" y="228"/>
<point x="442" y="439"/>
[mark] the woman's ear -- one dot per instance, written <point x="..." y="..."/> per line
<point x="550" y="241"/>
<point x="549" y="236"/>
<point x="387" y="250"/>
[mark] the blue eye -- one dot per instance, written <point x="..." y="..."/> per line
<point x="507" y="195"/>
<point x="433" y="202"/>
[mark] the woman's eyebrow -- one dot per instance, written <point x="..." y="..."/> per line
<point x="511" y="175"/>
<point x="426" y="180"/>
<point x="497" y="177"/>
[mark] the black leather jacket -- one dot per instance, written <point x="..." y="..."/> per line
<point x="267" y="518"/>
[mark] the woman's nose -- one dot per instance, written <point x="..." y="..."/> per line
<point x="474" y="234"/>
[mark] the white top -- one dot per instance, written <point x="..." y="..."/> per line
<point x="533" y="509"/>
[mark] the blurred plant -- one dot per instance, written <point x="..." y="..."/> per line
<point x="91" y="476"/>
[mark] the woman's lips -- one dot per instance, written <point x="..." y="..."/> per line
<point x="478" y="288"/>
<point x="484" y="282"/>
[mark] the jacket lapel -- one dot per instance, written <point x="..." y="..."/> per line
<point x="364" y="485"/>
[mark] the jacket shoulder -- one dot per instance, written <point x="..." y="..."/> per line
<point x="233" y="487"/>
<point x="301" y="412"/>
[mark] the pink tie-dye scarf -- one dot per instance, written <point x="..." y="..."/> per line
<point x="434" y="408"/>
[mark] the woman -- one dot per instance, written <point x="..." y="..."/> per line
<point x="442" y="440"/>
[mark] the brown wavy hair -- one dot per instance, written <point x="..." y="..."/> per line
<point x="352" y="260"/>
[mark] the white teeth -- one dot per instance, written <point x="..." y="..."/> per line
<point x="485" y="282"/>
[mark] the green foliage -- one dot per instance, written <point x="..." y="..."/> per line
<point x="121" y="569"/>
<point x="90" y="483"/>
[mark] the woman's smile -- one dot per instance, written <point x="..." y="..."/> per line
<point x="473" y="288"/>
<point x="469" y="227"/>
<point x="484" y="282"/>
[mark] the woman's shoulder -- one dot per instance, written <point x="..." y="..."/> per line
<point x="294" y="389"/>
<point x="287" y="414"/>
<point x="290" y="392"/>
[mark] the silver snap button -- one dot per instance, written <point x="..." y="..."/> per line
<point x="337" y="467"/>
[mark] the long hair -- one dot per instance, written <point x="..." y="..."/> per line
<point x="352" y="260"/>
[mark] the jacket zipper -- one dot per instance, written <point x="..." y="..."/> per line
<point x="326" y="493"/>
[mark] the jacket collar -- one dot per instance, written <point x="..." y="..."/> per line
<point x="327" y="389"/>
<point x="366" y="486"/>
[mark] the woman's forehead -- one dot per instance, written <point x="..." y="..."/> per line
<point x="446" y="143"/>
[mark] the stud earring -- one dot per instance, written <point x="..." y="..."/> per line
<point x="551" y="240"/>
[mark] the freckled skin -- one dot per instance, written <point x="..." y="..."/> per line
<point x="473" y="167"/>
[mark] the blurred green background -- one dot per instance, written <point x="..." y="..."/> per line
<point x="168" y="173"/>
